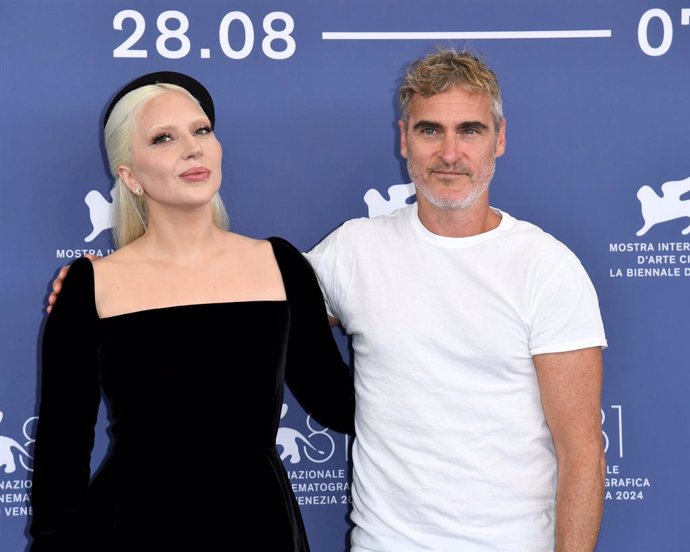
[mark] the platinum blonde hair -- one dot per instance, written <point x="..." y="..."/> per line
<point x="131" y="215"/>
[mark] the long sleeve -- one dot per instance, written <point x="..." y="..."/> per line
<point x="70" y="396"/>
<point x="315" y="371"/>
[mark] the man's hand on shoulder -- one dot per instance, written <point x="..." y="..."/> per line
<point x="57" y="283"/>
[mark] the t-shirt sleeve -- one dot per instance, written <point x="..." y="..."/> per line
<point x="567" y="316"/>
<point x="315" y="372"/>
<point x="323" y="259"/>
<point x="69" y="399"/>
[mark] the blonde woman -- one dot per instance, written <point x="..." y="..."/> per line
<point x="189" y="331"/>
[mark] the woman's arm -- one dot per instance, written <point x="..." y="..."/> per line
<point x="69" y="400"/>
<point x="315" y="371"/>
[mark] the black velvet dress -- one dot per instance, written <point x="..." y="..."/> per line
<point x="194" y="396"/>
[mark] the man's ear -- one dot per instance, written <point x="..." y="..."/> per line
<point x="403" y="138"/>
<point x="501" y="139"/>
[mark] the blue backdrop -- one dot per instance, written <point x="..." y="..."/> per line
<point x="596" y="99"/>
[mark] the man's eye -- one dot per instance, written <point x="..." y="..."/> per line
<point x="429" y="131"/>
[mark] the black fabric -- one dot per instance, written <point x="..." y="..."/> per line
<point x="191" y="85"/>
<point x="194" y="396"/>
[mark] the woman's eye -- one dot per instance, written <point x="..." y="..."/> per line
<point x="161" y="139"/>
<point x="204" y="130"/>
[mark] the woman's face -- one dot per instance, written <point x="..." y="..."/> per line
<point x="176" y="158"/>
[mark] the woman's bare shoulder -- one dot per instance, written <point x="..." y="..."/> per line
<point x="115" y="262"/>
<point x="244" y="245"/>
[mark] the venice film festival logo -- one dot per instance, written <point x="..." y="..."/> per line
<point x="101" y="217"/>
<point x="304" y="453"/>
<point x="15" y="489"/>
<point x="318" y="446"/>
<point x="656" y="259"/>
<point x="100" y="212"/>
<point x="668" y="206"/>
<point x="13" y="452"/>
<point x="399" y="195"/>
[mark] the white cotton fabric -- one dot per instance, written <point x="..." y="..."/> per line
<point x="452" y="452"/>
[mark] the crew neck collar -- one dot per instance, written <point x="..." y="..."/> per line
<point x="447" y="241"/>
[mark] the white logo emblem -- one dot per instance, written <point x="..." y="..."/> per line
<point x="100" y="212"/>
<point x="668" y="206"/>
<point x="398" y="194"/>
<point x="292" y="441"/>
<point x="10" y="447"/>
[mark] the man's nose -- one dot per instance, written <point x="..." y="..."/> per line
<point x="450" y="149"/>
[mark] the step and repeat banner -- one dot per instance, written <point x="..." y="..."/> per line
<point x="597" y="102"/>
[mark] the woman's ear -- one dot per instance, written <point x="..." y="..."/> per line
<point x="127" y="177"/>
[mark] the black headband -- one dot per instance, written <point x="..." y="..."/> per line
<point x="193" y="86"/>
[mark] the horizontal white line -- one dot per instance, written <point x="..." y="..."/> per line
<point x="594" y="33"/>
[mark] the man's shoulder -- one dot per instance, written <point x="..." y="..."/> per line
<point x="372" y="228"/>
<point x="533" y="240"/>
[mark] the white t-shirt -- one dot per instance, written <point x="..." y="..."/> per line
<point x="452" y="452"/>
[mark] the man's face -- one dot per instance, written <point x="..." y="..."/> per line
<point x="451" y="144"/>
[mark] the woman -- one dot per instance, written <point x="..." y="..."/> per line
<point x="189" y="331"/>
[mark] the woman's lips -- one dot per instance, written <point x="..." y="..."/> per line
<point x="196" y="174"/>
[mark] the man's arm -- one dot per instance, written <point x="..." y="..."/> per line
<point x="57" y="286"/>
<point x="570" y="388"/>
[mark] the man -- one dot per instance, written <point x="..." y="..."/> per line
<point x="477" y="342"/>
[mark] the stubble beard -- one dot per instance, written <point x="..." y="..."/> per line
<point x="478" y="183"/>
